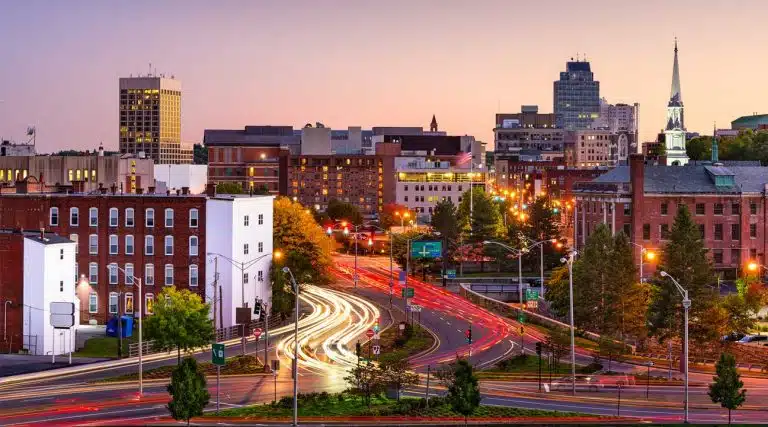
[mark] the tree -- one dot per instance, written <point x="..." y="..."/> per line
<point x="485" y="223"/>
<point x="199" y="154"/>
<point x="179" y="320"/>
<point x="301" y="240"/>
<point x="699" y="148"/>
<point x="558" y="292"/>
<point x="397" y="374"/>
<point x="229" y="188"/>
<point x="388" y="217"/>
<point x="463" y="390"/>
<point x="727" y="389"/>
<point x="366" y="380"/>
<point x="400" y="246"/>
<point x="592" y="279"/>
<point x="611" y="349"/>
<point x="189" y="395"/>
<point x="342" y="211"/>
<point x="627" y="300"/>
<point x="445" y="221"/>
<point x="685" y="258"/>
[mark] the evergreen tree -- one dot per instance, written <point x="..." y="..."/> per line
<point x="485" y="223"/>
<point x="592" y="279"/>
<point x="445" y="221"/>
<point x="627" y="299"/>
<point x="189" y="395"/>
<point x="558" y="293"/>
<point x="727" y="389"/>
<point x="685" y="258"/>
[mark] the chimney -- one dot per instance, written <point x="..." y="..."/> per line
<point x="102" y="189"/>
<point x="151" y="190"/>
<point x="210" y="190"/>
<point x="185" y="191"/>
<point x="42" y="233"/>
<point x="139" y="190"/>
<point x="178" y="192"/>
<point x="113" y="189"/>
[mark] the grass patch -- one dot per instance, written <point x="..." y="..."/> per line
<point x="238" y="365"/>
<point x="396" y="345"/>
<point x="530" y="365"/>
<point x="103" y="347"/>
<point x="342" y="404"/>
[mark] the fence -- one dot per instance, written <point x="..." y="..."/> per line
<point x="221" y="334"/>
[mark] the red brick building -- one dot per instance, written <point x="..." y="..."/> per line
<point x="728" y="202"/>
<point x="251" y="166"/>
<point x="160" y="238"/>
<point x="11" y="286"/>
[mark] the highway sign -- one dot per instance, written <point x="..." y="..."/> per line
<point x="62" y="315"/>
<point x="415" y="308"/>
<point x="532" y="304"/>
<point x="451" y="274"/>
<point x="401" y="278"/>
<point x="369" y="333"/>
<point x="531" y="294"/>
<point x="257" y="333"/>
<point x="408" y="293"/>
<point x="376" y="350"/>
<point x="217" y="354"/>
<point x="426" y="249"/>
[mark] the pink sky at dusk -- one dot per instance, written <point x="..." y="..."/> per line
<point x="369" y="63"/>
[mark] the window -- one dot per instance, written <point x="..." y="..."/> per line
<point x="149" y="245"/>
<point x="93" y="244"/>
<point x="753" y="231"/>
<point x="261" y="219"/>
<point x="54" y="217"/>
<point x="168" y="275"/>
<point x="93" y="303"/>
<point x="113" y="279"/>
<point x="113" y="217"/>
<point x="129" y="274"/>
<point x="646" y="231"/>
<point x="129" y="217"/>
<point x="628" y="229"/>
<point x="664" y="231"/>
<point x="129" y="244"/>
<point x="194" y="218"/>
<point x="627" y="209"/>
<point x="74" y="217"/>
<point x="718" y="231"/>
<point x="736" y="256"/>
<point x="193" y="246"/>
<point x="246" y="221"/>
<point x="169" y="245"/>
<point x="128" y="303"/>
<point x="664" y="208"/>
<point x="718" y="208"/>
<point x="245" y="278"/>
<point x="61" y="254"/>
<point x="193" y="276"/>
<point x="113" y="300"/>
<point x="753" y="253"/>
<point x="149" y="275"/>
<point x="61" y="286"/>
<point x="260" y="276"/>
<point x="149" y="302"/>
<point x="149" y="217"/>
<point x="717" y="254"/>
<point x="73" y="237"/>
<point x="113" y="244"/>
<point x="93" y="273"/>
<point x="735" y="232"/>
<point x="169" y="218"/>
<point x="261" y="247"/>
<point x="700" y="209"/>
<point x="245" y="249"/>
<point x="752" y="208"/>
<point x="93" y="217"/>
<point x="702" y="231"/>
<point x="735" y="208"/>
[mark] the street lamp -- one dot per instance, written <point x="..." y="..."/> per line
<point x="520" y="253"/>
<point x="686" y="306"/>
<point x="571" y="258"/>
<point x="288" y="271"/>
<point x="136" y="281"/>
<point x="645" y="253"/>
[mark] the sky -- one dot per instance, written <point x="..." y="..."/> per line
<point x="369" y="63"/>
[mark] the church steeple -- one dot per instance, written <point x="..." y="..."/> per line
<point x="433" y="124"/>
<point x="675" y="95"/>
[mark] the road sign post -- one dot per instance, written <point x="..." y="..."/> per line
<point x="218" y="359"/>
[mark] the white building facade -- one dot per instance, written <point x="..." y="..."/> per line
<point x="49" y="276"/>
<point x="239" y="251"/>
<point x="172" y="177"/>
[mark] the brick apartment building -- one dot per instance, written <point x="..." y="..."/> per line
<point x="254" y="167"/>
<point x="158" y="237"/>
<point x="728" y="202"/>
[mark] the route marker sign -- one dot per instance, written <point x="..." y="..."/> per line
<point x="369" y="333"/>
<point x="377" y="349"/>
<point x="257" y="333"/>
<point x="217" y="354"/>
<point x="451" y="274"/>
<point x="62" y="315"/>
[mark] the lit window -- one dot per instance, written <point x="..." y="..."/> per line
<point x="128" y="303"/>
<point x="149" y="302"/>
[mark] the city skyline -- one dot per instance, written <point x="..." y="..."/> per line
<point x="352" y="64"/>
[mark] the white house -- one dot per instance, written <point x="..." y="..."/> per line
<point x="239" y="249"/>
<point x="49" y="276"/>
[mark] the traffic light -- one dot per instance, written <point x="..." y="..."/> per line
<point x="257" y="308"/>
<point x="468" y="334"/>
<point x="538" y="348"/>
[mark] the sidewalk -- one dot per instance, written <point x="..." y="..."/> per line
<point x="17" y="364"/>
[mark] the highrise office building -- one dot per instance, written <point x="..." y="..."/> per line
<point x="576" y="97"/>
<point x="150" y="119"/>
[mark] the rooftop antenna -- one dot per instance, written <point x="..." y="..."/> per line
<point x="150" y="70"/>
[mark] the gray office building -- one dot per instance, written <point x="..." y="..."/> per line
<point x="576" y="97"/>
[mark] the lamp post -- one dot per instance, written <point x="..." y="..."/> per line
<point x="570" y="260"/>
<point x="644" y="253"/>
<point x="520" y="253"/>
<point x="136" y="281"/>
<point x="288" y="271"/>
<point x="5" y="324"/>
<point x="686" y="307"/>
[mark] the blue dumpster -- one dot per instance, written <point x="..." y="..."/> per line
<point x="127" y="327"/>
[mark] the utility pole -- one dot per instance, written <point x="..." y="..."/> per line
<point x="427" y="395"/>
<point x="215" y="289"/>
<point x="119" y="325"/>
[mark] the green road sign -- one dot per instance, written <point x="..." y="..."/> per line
<point x="410" y="292"/>
<point x="531" y="295"/>
<point x="426" y="249"/>
<point x="451" y="274"/>
<point x="218" y="355"/>
<point x="521" y="317"/>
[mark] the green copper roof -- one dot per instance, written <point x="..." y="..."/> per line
<point x="750" y="121"/>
